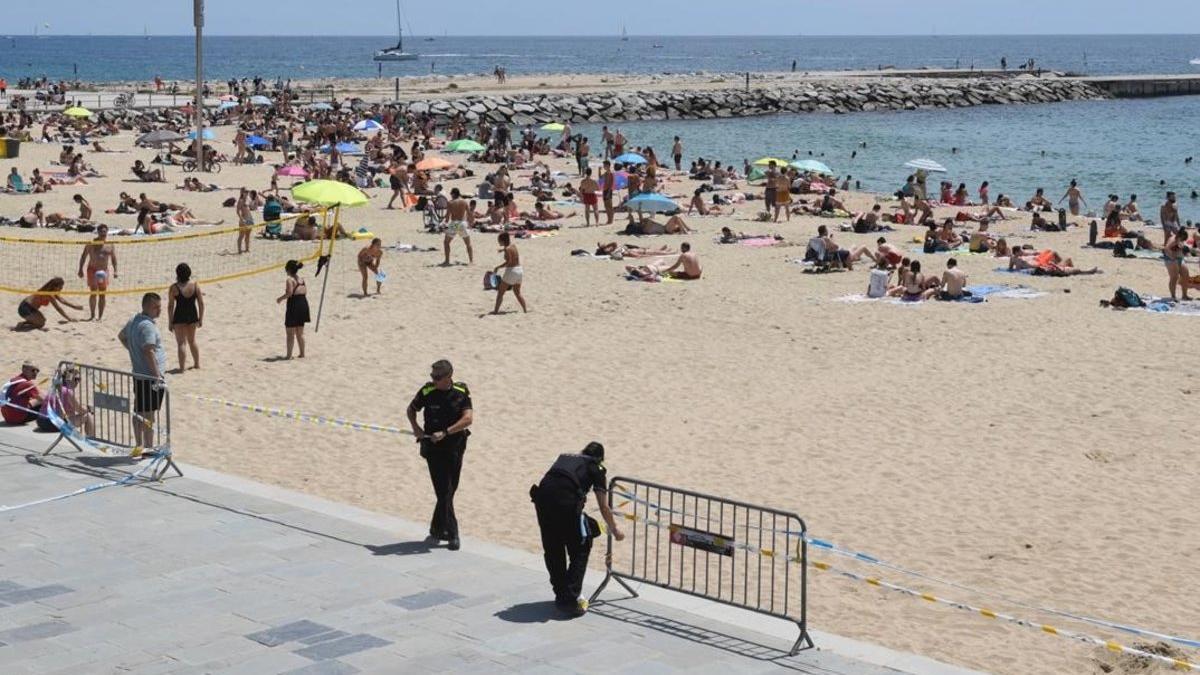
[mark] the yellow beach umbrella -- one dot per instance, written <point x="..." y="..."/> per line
<point x="329" y="193"/>
<point x="77" y="112"/>
<point x="553" y="126"/>
<point x="764" y="161"/>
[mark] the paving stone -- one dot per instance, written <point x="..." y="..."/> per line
<point x="325" y="668"/>
<point x="37" y="631"/>
<point x="9" y="586"/>
<point x="426" y="599"/>
<point x="342" y="647"/>
<point x="323" y="637"/>
<point x="273" y="637"/>
<point x="31" y="594"/>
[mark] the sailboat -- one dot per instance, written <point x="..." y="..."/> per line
<point x="624" y="35"/>
<point x="396" y="53"/>
<point x="1195" y="62"/>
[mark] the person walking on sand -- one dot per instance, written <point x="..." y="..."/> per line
<point x="513" y="274"/>
<point x="397" y="178"/>
<point x="368" y="263"/>
<point x="1074" y="197"/>
<point x="456" y="216"/>
<point x="608" y="183"/>
<point x="245" y="218"/>
<point x="1168" y="216"/>
<point x="296" y="313"/>
<point x="185" y="314"/>
<point x="446" y="405"/>
<point x="588" y="189"/>
<point x="96" y="258"/>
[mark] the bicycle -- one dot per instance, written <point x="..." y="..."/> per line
<point x="190" y="165"/>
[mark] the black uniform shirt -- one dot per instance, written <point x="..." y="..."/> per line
<point x="442" y="407"/>
<point x="573" y="476"/>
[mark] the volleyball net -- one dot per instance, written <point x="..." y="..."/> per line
<point x="139" y="263"/>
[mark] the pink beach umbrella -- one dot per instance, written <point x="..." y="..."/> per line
<point x="292" y="170"/>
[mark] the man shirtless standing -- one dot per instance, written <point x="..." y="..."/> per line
<point x="1168" y="215"/>
<point x="588" y="187"/>
<point x="97" y="256"/>
<point x="456" y="212"/>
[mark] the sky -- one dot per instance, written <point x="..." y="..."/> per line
<point x="604" y="17"/>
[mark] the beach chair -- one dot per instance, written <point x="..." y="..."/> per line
<point x="821" y="259"/>
<point x="436" y="213"/>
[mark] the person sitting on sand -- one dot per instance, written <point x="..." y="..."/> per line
<point x="948" y="236"/>
<point x="912" y="283"/>
<point x="887" y="254"/>
<point x="954" y="282"/>
<point x="689" y="263"/>
<point x="1131" y="211"/>
<point x="868" y="221"/>
<point x="674" y="225"/>
<point x="1003" y="201"/>
<point x="836" y="254"/>
<point x="981" y="240"/>
<point x="368" y="264"/>
<point x="698" y="204"/>
<point x="145" y="175"/>
<point x="30" y="308"/>
<point x="33" y="218"/>
<point x="1039" y="202"/>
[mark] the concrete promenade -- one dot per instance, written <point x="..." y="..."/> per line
<point x="215" y="574"/>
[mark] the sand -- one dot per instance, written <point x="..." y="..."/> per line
<point x="1038" y="448"/>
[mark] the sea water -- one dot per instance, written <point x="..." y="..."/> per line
<point x="108" y="58"/>
<point x="1124" y="147"/>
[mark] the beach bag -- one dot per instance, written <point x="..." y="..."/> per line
<point x="491" y="281"/>
<point x="1125" y="297"/>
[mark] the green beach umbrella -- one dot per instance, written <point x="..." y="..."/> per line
<point x="329" y="193"/>
<point x="77" y="112"/>
<point x="812" y="165"/>
<point x="464" y="145"/>
<point x="553" y="126"/>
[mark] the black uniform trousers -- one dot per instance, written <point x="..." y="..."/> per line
<point x="559" y="521"/>
<point x="445" y="461"/>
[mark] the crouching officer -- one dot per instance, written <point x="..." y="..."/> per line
<point x="447" y="406"/>
<point x="566" y="530"/>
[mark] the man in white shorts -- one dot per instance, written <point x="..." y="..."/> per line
<point x="456" y="213"/>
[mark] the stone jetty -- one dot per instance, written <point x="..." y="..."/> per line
<point x="835" y="97"/>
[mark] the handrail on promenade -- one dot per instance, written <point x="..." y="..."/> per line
<point x="738" y="554"/>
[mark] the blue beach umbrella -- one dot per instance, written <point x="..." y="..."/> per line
<point x="368" y="125"/>
<point x="207" y="135"/>
<point x="226" y="105"/>
<point x="925" y="165"/>
<point x="652" y="202"/>
<point x="812" y="165"/>
<point x="629" y="158"/>
<point x="344" y="148"/>
<point x="257" y="141"/>
<point x="260" y="100"/>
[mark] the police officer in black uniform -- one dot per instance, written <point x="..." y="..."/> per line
<point x="559" y="500"/>
<point x="447" y="407"/>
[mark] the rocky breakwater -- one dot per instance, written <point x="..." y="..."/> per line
<point x="838" y="97"/>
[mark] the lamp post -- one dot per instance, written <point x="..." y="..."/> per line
<point x="198" y="103"/>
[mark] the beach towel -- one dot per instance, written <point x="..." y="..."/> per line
<point x="1005" y="270"/>
<point x="759" y="242"/>
<point x="1004" y="291"/>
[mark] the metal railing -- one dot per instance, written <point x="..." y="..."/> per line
<point x="743" y="555"/>
<point x="116" y="426"/>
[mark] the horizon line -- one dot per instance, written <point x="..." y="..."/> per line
<point x="609" y="35"/>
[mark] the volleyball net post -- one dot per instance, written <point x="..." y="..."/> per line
<point x="326" y="260"/>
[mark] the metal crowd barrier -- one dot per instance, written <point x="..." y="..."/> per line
<point x="738" y="554"/>
<point x="110" y="395"/>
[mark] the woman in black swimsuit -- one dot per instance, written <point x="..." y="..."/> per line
<point x="185" y="312"/>
<point x="296" y="294"/>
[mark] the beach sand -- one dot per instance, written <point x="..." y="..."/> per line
<point x="1037" y="448"/>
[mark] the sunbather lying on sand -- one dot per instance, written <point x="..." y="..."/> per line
<point x="1046" y="262"/>
<point x="697" y="203"/>
<point x="631" y="250"/>
<point x="728" y="236"/>
<point x="543" y="212"/>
